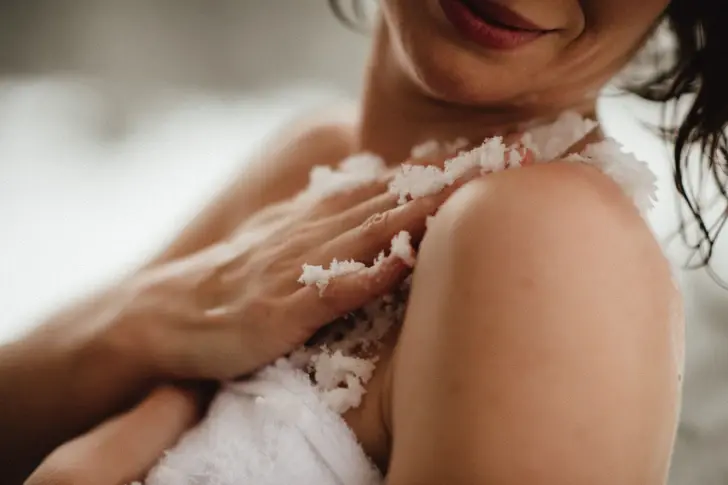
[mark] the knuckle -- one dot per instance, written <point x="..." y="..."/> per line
<point x="221" y="315"/>
<point x="375" y="225"/>
<point x="262" y="308"/>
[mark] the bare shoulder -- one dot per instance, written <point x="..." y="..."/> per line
<point x="329" y="129"/>
<point x="559" y="215"/>
<point x="542" y="328"/>
<point x="323" y="137"/>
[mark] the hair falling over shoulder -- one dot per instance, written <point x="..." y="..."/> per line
<point x="696" y="74"/>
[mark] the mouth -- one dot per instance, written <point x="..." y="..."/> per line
<point x="501" y="16"/>
<point x="491" y="24"/>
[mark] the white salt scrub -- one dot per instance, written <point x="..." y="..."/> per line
<point x="336" y="366"/>
<point x="402" y="248"/>
<point x="341" y="378"/>
<point x="321" y="277"/>
<point x="426" y="150"/>
<point x="549" y="141"/>
<point x="433" y="149"/>
<point x="342" y="359"/>
<point x="635" y="178"/>
<point x="352" y="172"/>
<point x="415" y="181"/>
<point x="282" y="423"/>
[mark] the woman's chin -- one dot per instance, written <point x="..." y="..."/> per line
<point x="446" y="71"/>
<point x="454" y="79"/>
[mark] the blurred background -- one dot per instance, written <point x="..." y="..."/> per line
<point x="119" y="118"/>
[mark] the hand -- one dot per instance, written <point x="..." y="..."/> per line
<point x="217" y="314"/>
<point x="124" y="448"/>
<point x="222" y="313"/>
<point x="236" y="306"/>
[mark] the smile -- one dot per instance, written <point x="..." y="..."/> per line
<point x="490" y="24"/>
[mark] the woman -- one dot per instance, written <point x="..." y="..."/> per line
<point x="542" y="339"/>
<point x="212" y="306"/>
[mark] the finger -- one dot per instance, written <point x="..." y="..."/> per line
<point x="347" y="293"/>
<point x="365" y="241"/>
<point x="353" y="216"/>
<point x="267" y="215"/>
<point x="125" y="448"/>
<point x="353" y="207"/>
<point x="345" y="199"/>
<point x="384" y="200"/>
<point x="357" y="215"/>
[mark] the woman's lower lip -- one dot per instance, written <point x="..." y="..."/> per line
<point x="481" y="31"/>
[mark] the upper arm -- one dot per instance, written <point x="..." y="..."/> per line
<point x="278" y="169"/>
<point x="538" y="346"/>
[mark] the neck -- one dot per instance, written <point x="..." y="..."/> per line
<point x="397" y="115"/>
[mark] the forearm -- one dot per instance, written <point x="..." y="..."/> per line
<point x="68" y="375"/>
<point x="56" y="383"/>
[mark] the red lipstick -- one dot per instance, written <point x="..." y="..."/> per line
<point x="490" y="24"/>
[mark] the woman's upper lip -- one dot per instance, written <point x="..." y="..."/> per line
<point x="503" y="15"/>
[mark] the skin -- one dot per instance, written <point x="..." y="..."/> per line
<point x="202" y="310"/>
<point x="540" y="367"/>
<point x="543" y="338"/>
<point x="506" y="362"/>
<point x="71" y="373"/>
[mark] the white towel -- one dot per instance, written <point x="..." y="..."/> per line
<point x="280" y="429"/>
<point x="272" y="430"/>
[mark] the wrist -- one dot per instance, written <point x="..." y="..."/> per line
<point x="107" y="353"/>
<point x="96" y="361"/>
<point x="61" y="379"/>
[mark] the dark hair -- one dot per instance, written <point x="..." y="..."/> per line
<point x="700" y="46"/>
<point x="691" y="65"/>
